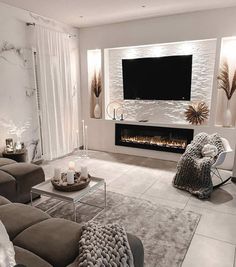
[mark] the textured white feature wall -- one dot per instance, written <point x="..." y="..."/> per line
<point x="203" y="52"/>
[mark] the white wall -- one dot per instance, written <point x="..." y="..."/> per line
<point x="191" y="26"/>
<point x="16" y="77"/>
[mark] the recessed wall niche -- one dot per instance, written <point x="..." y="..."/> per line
<point x="95" y="82"/>
<point x="160" y="111"/>
<point x="228" y="56"/>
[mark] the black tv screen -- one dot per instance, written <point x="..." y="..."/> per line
<point x="157" y="78"/>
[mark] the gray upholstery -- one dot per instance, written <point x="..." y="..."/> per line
<point x="17" y="217"/>
<point x="5" y="161"/>
<point x="42" y="241"/>
<point x="4" y="201"/>
<point x="7" y="186"/>
<point x="16" y="179"/>
<point x="61" y="235"/>
<point x="29" y="259"/>
<point x="137" y="250"/>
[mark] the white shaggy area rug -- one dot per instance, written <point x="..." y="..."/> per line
<point x="166" y="232"/>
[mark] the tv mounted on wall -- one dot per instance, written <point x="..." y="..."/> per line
<point x="157" y="78"/>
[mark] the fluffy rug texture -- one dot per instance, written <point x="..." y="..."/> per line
<point x="166" y="232"/>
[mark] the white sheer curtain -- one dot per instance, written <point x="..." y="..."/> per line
<point x="58" y="98"/>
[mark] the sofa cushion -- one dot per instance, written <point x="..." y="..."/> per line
<point x="54" y="240"/>
<point x="17" y="217"/>
<point x="6" y="161"/>
<point x="7" y="186"/>
<point x="29" y="259"/>
<point x="137" y="250"/>
<point x="26" y="175"/>
<point x="4" y="201"/>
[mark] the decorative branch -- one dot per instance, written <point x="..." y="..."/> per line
<point x="197" y="113"/>
<point x="223" y="80"/>
<point x="7" y="47"/>
<point x="96" y="84"/>
<point x="13" y="128"/>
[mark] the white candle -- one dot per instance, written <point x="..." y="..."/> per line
<point x="70" y="177"/>
<point x="83" y="134"/>
<point x="77" y="138"/>
<point x="71" y="165"/>
<point x="84" y="171"/>
<point x="57" y="174"/>
<point x="86" y="138"/>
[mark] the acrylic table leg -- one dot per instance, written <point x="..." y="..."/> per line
<point x="75" y="217"/>
<point x="105" y="195"/>
<point x="31" y="198"/>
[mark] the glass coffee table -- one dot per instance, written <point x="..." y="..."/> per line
<point x="47" y="189"/>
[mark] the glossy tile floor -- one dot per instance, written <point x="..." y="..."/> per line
<point x="214" y="242"/>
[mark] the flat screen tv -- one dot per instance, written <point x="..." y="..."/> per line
<point x="157" y="78"/>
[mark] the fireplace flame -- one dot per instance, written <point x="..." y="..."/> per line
<point x="155" y="141"/>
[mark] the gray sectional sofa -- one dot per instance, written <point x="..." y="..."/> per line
<point x="16" y="179"/>
<point x="42" y="241"/>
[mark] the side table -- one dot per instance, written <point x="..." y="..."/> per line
<point x="19" y="156"/>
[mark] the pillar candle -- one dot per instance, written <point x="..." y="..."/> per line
<point x="83" y="131"/>
<point x="57" y="174"/>
<point x="71" y="165"/>
<point x="86" y="137"/>
<point x="84" y="171"/>
<point x="70" y="176"/>
<point x="77" y="138"/>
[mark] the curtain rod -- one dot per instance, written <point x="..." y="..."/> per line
<point x="33" y="24"/>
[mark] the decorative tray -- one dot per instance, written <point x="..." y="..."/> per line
<point x="79" y="184"/>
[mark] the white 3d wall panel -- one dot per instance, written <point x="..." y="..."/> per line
<point x="203" y="52"/>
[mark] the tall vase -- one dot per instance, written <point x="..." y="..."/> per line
<point x="227" y="116"/>
<point x="97" y="109"/>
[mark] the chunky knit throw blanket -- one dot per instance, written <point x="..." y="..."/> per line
<point x="194" y="170"/>
<point x="104" y="246"/>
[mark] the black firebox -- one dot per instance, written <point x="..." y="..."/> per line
<point x="151" y="137"/>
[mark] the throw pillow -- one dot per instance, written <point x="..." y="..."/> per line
<point x="7" y="253"/>
<point x="209" y="151"/>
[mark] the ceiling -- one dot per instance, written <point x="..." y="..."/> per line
<point x="85" y="13"/>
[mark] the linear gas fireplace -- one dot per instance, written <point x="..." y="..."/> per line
<point x="151" y="137"/>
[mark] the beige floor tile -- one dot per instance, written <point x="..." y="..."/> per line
<point x="163" y="188"/>
<point x="137" y="180"/>
<point x="207" y="252"/>
<point x="217" y="225"/>
<point x="221" y="200"/>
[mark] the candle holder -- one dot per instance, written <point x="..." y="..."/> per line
<point x="18" y="146"/>
<point x="9" y="145"/>
<point x="114" y="114"/>
<point x="84" y="152"/>
<point x="112" y="109"/>
<point x="121" y="113"/>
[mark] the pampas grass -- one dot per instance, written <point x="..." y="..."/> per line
<point x="223" y="80"/>
<point x="96" y="84"/>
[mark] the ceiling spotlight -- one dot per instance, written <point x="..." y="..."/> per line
<point x="81" y="17"/>
<point x="143" y="6"/>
